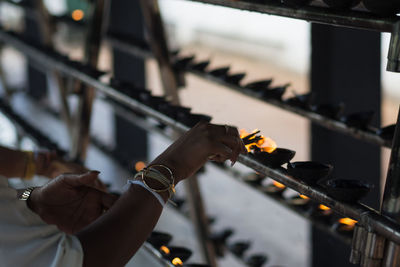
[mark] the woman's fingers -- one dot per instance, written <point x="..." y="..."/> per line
<point x="228" y="136"/>
<point x="221" y="152"/>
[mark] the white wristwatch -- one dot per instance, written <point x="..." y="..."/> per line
<point x="26" y="194"/>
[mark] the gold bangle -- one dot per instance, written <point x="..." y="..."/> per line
<point x="30" y="166"/>
<point x="169" y="187"/>
<point x="164" y="167"/>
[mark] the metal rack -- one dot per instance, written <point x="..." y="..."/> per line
<point x="142" y="50"/>
<point x="370" y="136"/>
<point x="351" y="19"/>
<point x="368" y="218"/>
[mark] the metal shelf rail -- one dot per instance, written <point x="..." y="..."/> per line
<point x="363" y="19"/>
<point x="365" y="135"/>
<point x="350" y="19"/>
<point x="366" y="216"/>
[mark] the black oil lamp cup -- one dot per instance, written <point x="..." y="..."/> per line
<point x="342" y="4"/>
<point x="274" y="159"/>
<point x="275" y="93"/>
<point x="347" y="190"/>
<point x="256" y="260"/>
<point x="192" y="119"/>
<point x="383" y="7"/>
<point x="200" y="66"/>
<point x="295" y="3"/>
<point x="221" y="73"/>
<point x="158" y="239"/>
<point x="239" y="248"/>
<point x="235" y="78"/>
<point x="359" y="120"/>
<point x="309" y="172"/>
<point x="177" y="252"/>
<point x="259" y="86"/>
<point x="387" y="132"/>
<point x="330" y="111"/>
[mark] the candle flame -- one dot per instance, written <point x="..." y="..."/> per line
<point x="323" y="207"/>
<point x="77" y="14"/>
<point x="304" y="196"/>
<point x="177" y="262"/>
<point x="165" y="250"/>
<point x="348" y="221"/>
<point x="279" y="185"/>
<point x="140" y="165"/>
<point x="265" y="144"/>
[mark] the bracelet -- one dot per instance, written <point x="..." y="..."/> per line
<point x="164" y="167"/>
<point x="149" y="173"/>
<point x="30" y="166"/>
<point x="156" y="195"/>
<point x="154" y="174"/>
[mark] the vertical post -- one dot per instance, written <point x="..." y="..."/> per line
<point x="159" y="46"/>
<point x="47" y="31"/>
<point x="345" y="67"/>
<point x="81" y="135"/>
<point x="36" y="80"/>
<point x="391" y="198"/>
<point x="394" y="50"/>
<point x="131" y="142"/>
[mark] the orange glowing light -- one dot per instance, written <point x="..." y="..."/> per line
<point x="243" y="133"/>
<point x="177" y="262"/>
<point x="279" y="185"/>
<point x="304" y="197"/>
<point x="77" y="14"/>
<point x="140" y="165"/>
<point x="165" y="250"/>
<point x="323" y="207"/>
<point x="266" y="144"/>
<point x="348" y="221"/>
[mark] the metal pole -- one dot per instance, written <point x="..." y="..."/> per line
<point x="394" y="50"/>
<point x="159" y="46"/>
<point x="391" y="198"/>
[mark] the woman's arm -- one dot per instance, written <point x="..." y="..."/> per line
<point x="14" y="163"/>
<point x="116" y="236"/>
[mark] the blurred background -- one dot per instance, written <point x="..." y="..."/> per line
<point x="263" y="46"/>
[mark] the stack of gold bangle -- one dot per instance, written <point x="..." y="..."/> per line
<point x="154" y="174"/>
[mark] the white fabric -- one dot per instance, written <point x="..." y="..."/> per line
<point x="25" y="240"/>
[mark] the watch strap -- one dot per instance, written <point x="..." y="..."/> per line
<point x="26" y="194"/>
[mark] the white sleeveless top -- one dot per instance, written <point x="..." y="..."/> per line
<point x="25" y="240"/>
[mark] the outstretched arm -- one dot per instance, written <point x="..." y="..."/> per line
<point x="115" y="237"/>
<point x="15" y="163"/>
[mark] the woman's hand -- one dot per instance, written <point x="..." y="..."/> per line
<point x="203" y="142"/>
<point x="70" y="202"/>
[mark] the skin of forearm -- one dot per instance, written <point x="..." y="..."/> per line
<point x="12" y="163"/>
<point x="115" y="237"/>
